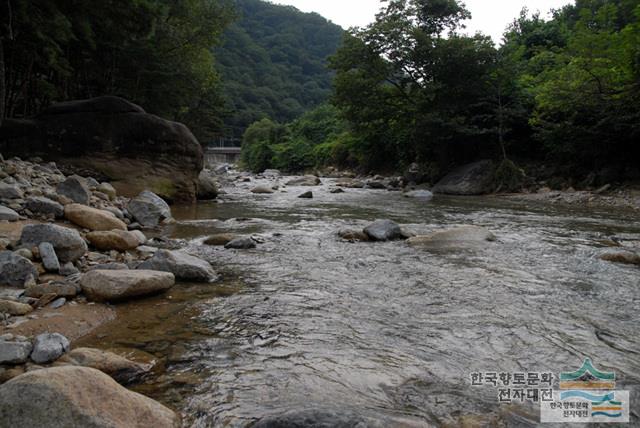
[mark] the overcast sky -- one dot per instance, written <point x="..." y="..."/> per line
<point x="489" y="16"/>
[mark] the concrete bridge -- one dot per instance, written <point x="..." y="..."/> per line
<point x="222" y="151"/>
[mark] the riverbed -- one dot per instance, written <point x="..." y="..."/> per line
<point x="381" y="333"/>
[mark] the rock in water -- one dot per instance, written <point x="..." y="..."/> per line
<point x="68" y="243"/>
<point x="353" y="235"/>
<point x="620" y="256"/>
<point x="149" y="209"/>
<point x="262" y="190"/>
<point x="220" y="239"/>
<point x="472" y="179"/>
<point x="48" y="256"/>
<point x="92" y="218"/>
<point x="7" y="214"/>
<point x="118" y="240"/>
<point x="114" y="285"/>
<point x="184" y="266"/>
<point x="78" y="397"/>
<point x="420" y="194"/>
<point x="458" y="237"/>
<point x="207" y="186"/>
<point x="122" y="370"/>
<point x="306" y="195"/>
<point x="49" y="347"/>
<point x="243" y="243"/>
<point x="44" y="206"/>
<point x="14" y="352"/>
<point x="15" y="269"/>
<point x="76" y="189"/>
<point x="384" y="230"/>
<point x="307" y="180"/>
<point x="115" y="138"/>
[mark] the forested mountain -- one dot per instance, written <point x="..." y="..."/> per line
<point x="273" y="63"/>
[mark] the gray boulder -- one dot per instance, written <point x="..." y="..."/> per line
<point x="471" y="179"/>
<point x="122" y="370"/>
<point x="68" y="243"/>
<point x="76" y="189"/>
<point x="306" y="195"/>
<point x="184" y="266"/>
<point x="72" y="396"/>
<point x="49" y="347"/>
<point x="243" y="243"/>
<point x="307" y="180"/>
<point x="48" y="257"/>
<point x="15" y="270"/>
<point x="10" y="191"/>
<point x="463" y="236"/>
<point x="7" y="214"/>
<point x="114" y="285"/>
<point x="384" y="230"/>
<point x="149" y="209"/>
<point x="262" y="190"/>
<point x="44" y="206"/>
<point x="14" y="352"/>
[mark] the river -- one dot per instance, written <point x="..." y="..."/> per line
<point x="383" y="334"/>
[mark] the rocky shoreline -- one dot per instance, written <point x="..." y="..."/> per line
<point x="70" y="246"/>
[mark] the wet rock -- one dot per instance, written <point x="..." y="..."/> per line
<point x="383" y="230"/>
<point x="242" y="243"/>
<point x="336" y="190"/>
<point x="14" y="308"/>
<point x="10" y="191"/>
<point x="350" y="183"/>
<point x="119" y="240"/>
<point x="306" y="195"/>
<point x="620" y="255"/>
<point x="92" y="218"/>
<point x="353" y="235"/>
<point x="108" y="190"/>
<point x="460" y="236"/>
<point x="68" y="243"/>
<point x="49" y="347"/>
<point x="14" y="352"/>
<point x="184" y="266"/>
<point x="114" y="285"/>
<point x="420" y="194"/>
<point x="220" y="239"/>
<point x="207" y="186"/>
<point x="78" y="397"/>
<point x="15" y="270"/>
<point x="307" y="180"/>
<point x="44" y="206"/>
<point x="122" y="370"/>
<point x="149" y="209"/>
<point x="48" y="257"/>
<point x="7" y="214"/>
<point x="58" y="289"/>
<point x="472" y="179"/>
<point x="262" y="190"/>
<point x="375" y="184"/>
<point x="76" y="189"/>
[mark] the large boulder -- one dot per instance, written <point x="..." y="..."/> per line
<point x="76" y="189"/>
<point x="471" y="179"/>
<point x="15" y="270"/>
<point x="184" y="266"/>
<point x="122" y="370"/>
<point x="115" y="139"/>
<point x="149" y="209"/>
<point x="77" y="397"/>
<point x="462" y="236"/>
<point x="114" y="285"/>
<point x="119" y="240"/>
<point x="68" y="243"/>
<point x="384" y="230"/>
<point x="44" y="206"/>
<point x="92" y="218"/>
<point x="207" y="186"/>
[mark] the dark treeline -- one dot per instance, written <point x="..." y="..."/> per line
<point x="412" y="88"/>
<point x="157" y="53"/>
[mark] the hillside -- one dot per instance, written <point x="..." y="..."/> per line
<point x="273" y="63"/>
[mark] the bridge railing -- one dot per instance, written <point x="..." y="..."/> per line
<point x="224" y="142"/>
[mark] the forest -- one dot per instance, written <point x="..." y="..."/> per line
<point x="412" y="87"/>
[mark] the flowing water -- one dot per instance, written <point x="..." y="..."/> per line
<point x="382" y="333"/>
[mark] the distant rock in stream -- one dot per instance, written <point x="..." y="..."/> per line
<point x="384" y="230"/>
<point x="471" y="179"/>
